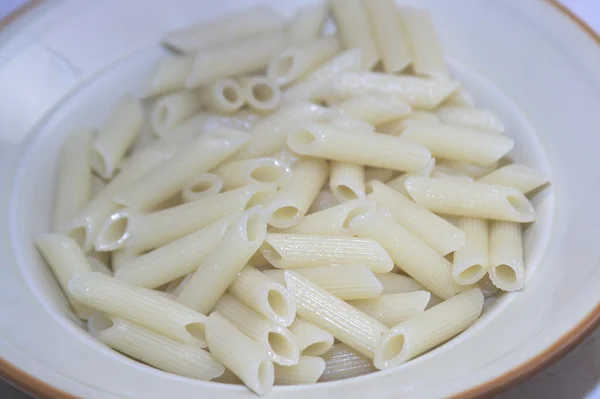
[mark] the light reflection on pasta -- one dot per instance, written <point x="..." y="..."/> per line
<point x="291" y="189"/>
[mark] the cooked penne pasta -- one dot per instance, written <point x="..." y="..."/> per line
<point x="266" y="297"/>
<point x="241" y="173"/>
<point x="459" y="143"/>
<point x="172" y="109"/>
<point x="270" y="134"/>
<point x="469" y="169"/>
<point x="345" y="282"/>
<point x="141" y="232"/>
<point x="170" y="75"/>
<point x="346" y="61"/>
<point x="398" y="284"/>
<point x="145" y="140"/>
<point x="476" y="200"/>
<point x="419" y="92"/>
<point x="222" y="265"/>
<point x="325" y="199"/>
<point x="398" y="182"/>
<point x="408" y="252"/>
<point x="174" y="288"/>
<point x="140" y="305"/>
<point x="244" y="119"/>
<point x="430" y="228"/>
<point x="471" y="261"/>
<point x="118" y="258"/>
<point x="426" y="330"/>
<point x="205" y="122"/>
<point x="260" y="93"/>
<point x="74" y="181"/>
<point x="277" y="341"/>
<point x="174" y="260"/>
<point x="354" y="29"/>
<point x="244" y="56"/>
<point x="291" y="251"/>
<point x="97" y="184"/>
<point x="200" y="186"/>
<point x="229" y="378"/>
<point x="461" y="98"/>
<point x="291" y="203"/>
<point x="224" y="95"/>
<point x="389" y="34"/>
<point x="447" y="173"/>
<point x="298" y="62"/>
<point x="190" y="129"/>
<point x="286" y="156"/>
<point x="240" y="354"/>
<point x="472" y="117"/>
<point x="172" y="202"/>
<point x="258" y="261"/>
<point x="154" y="349"/>
<point x="453" y="220"/>
<point x="255" y="263"/>
<point x="515" y="175"/>
<point x="312" y="340"/>
<point x="425" y="50"/>
<point x="204" y="154"/>
<point x="65" y="259"/>
<point x="379" y="174"/>
<point x="373" y="108"/>
<point x="115" y="137"/>
<point x="164" y="294"/>
<point x="347" y="181"/>
<point x="308" y="371"/>
<point x="306" y="24"/>
<point x="97" y="264"/>
<point x="443" y="171"/>
<point x="393" y="283"/>
<point x="506" y="269"/>
<point x="277" y="275"/>
<point x="487" y="287"/>
<point x="396" y="127"/>
<point x="344" y="322"/>
<point x="343" y="362"/>
<point x="86" y="225"/>
<point x="219" y="31"/>
<point x="333" y="221"/>
<point x="364" y="148"/>
<point x="345" y="122"/>
<point x="278" y="188"/>
<point x="395" y="308"/>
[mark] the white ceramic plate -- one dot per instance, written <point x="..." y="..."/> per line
<point x="63" y="63"/>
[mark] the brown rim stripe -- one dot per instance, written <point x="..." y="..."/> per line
<point x="18" y="12"/>
<point x="535" y="365"/>
<point x="553" y="353"/>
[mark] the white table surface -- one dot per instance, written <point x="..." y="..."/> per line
<point x="576" y="376"/>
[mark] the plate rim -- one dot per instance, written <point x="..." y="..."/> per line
<point x="561" y="347"/>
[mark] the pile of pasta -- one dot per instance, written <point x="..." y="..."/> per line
<point x="298" y="210"/>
